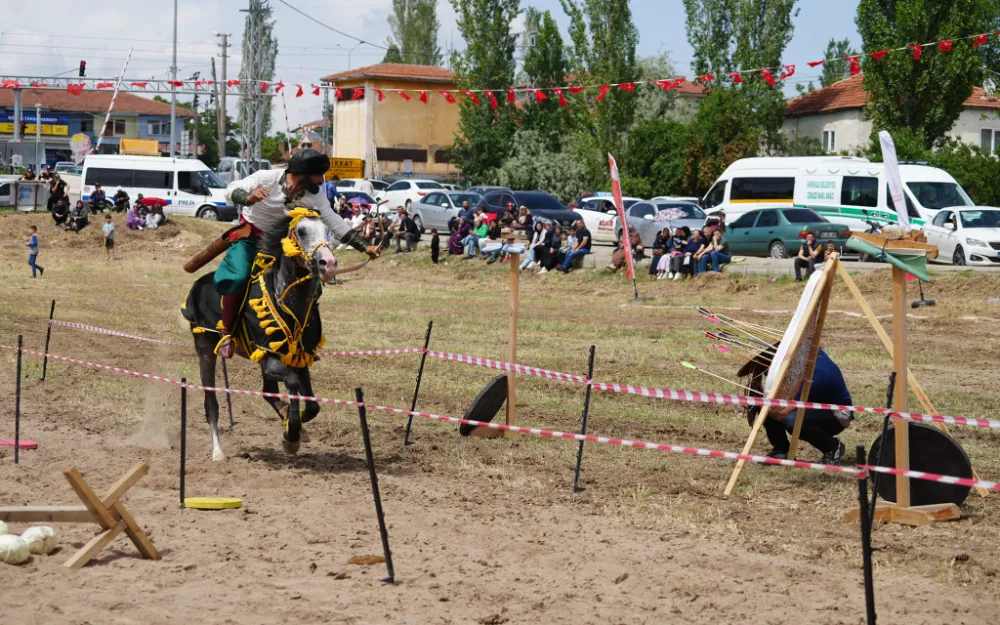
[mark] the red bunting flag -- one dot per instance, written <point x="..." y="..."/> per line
<point x="423" y="97"/>
<point x="105" y="85"/>
<point x="493" y="100"/>
<point x="603" y="93"/>
<point x="980" y="40"/>
<point x="175" y="83"/>
<point x="627" y="86"/>
<point x="75" y="88"/>
<point x="855" y="67"/>
<point x="10" y="84"/>
<point x="704" y="78"/>
<point x="338" y="93"/>
<point x="878" y="56"/>
<point x="233" y="82"/>
<point x="539" y="95"/>
<point x="575" y="89"/>
<point x="381" y="96"/>
<point x="788" y="73"/>
<point x="917" y="52"/>
<point x="562" y="96"/>
<point x="737" y="79"/>
<point x="403" y="95"/>
<point x="680" y="81"/>
<point x="298" y="91"/>
<point x="279" y="87"/>
<point x="315" y="90"/>
<point x="357" y="94"/>
<point x="816" y="63"/>
<point x="945" y="46"/>
<point x="45" y="84"/>
<point x="472" y="96"/>
<point x="767" y="76"/>
<point x="141" y="85"/>
<point x="199" y="83"/>
<point x="447" y="96"/>
<point x="264" y="86"/>
<point x="511" y="98"/>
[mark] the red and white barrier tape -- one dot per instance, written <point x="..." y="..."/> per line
<point x="859" y="472"/>
<point x="375" y="352"/>
<point x="80" y="326"/>
<point x="507" y="366"/>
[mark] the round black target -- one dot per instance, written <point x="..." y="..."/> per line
<point x="932" y="451"/>
<point x="487" y="404"/>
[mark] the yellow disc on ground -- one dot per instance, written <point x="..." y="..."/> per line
<point x="212" y="503"/>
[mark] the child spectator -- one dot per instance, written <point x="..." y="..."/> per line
<point x="435" y="247"/>
<point x="32" y="244"/>
<point x="109" y="238"/>
<point x="830" y="249"/>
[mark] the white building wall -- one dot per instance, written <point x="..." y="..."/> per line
<point x="852" y="132"/>
<point x="971" y="123"/>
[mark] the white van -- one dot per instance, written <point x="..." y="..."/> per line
<point x="845" y="190"/>
<point x="190" y="188"/>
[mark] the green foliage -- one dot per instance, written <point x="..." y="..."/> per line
<point x="414" y="26"/>
<point x="545" y="67"/>
<point x="710" y="33"/>
<point x="976" y="171"/>
<point x="804" y="146"/>
<point x="922" y="97"/>
<point x="836" y="69"/>
<point x="655" y="163"/>
<point x="273" y="148"/>
<point x="722" y="132"/>
<point x="652" y="102"/>
<point x="485" y="136"/>
<point x="533" y="166"/>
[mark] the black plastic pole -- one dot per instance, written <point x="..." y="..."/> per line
<point x="583" y="424"/>
<point x="420" y="375"/>
<point x="391" y="579"/>
<point x="866" y="541"/>
<point x="229" y="396"/>
<point x="881" y="450"/>
<point x="183" y="435"/>
<point x="48" y="335"/>
<point x="17" y="403"/>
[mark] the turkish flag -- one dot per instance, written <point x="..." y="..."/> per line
<point x="737" y="79"/>
<point x="603" y="93"/>
<point x="575" y="89"/>
<point x="767" y="76"/>
<point x="381" y="96"/>
<point x="855" y="62"/>
<point x="627" y="86"/>
<point x="423" y="97"/>
<point x="264" y="86"/>
<point x="616" y="192"/>
<point x="175" y="83"/>
<point x="338" y="93"/>
<point x="705" y="78"/>
<point x="816" y="63"/>
<point x="878" y="56"/>
<point x="139" y="84"/>
<point x="788" y="73"/>
<point x="403" y="95"/>
<point x="917" y="52"/>
<point x="45" y="84"/>
<point x="298" y="92"/>
<point x="232" y="83"/>
<point x="562" y="96"/>
<point x="279" y="87"/>
<point x="447" y="96"/>
<point x="472" y="96"/>
<point x="945" y="46"/>
<point x="493" y="100"/>
<point x="75" y="88"/>
<point x="539" y="95"/>
<point x="105" y="85"/>
<point x="980" y="40"/>
<point x="511" y="98"/>
<point x="357" y="94"/>
<point x="315" y="90"/>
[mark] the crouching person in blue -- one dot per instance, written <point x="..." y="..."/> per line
<point x="819" y="427"/>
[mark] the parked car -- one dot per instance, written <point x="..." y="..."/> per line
<point x="483" y="189"/>
<point x="435" y="209"/>
<point x="601" y="216"/>
<point x="541" y="206"/>
<point x="966" y="236"/>
<point x="405" y="192"/>
<point x="234" y="168"/>
<point x="575" y="204"/>
<point x="676" y="198"/>
<point x="355" y="183"/>
<point x="779" y="232"/>
<point x="650" y="217"/>
<point x="352" y="195"/>
<point x="68" y="167"/>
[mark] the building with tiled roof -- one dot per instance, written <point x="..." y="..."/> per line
<point x="835" y="116"/>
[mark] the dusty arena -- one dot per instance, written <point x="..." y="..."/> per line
<point x="482" y="531"/>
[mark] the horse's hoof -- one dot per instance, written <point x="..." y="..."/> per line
<point x="304" y="436"/>
<point x="218" y="456"/>
<point x="290" y="447"/>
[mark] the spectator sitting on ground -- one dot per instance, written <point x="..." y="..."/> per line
<point x="618" y="259"/>
<point x="155" y="217"/>
<point x="717" y="253"/>
<point x="369" y="231"/>
<point x="681" y="262"/>
<point x="494" y="233"/>
<point x="670" y="251"/>
<point x="455" y="241"/>
<point x="133" y="219"/>
<point x="406" y="231"/>
<point x="29" y="175"/>
<point x="808" y="256"/>
<point x="466" y="211"/>
<point x="524" y="220"/>
<point x="700" y="247"/>
<point x="471" y="241"/>
<point x="716" y="221"/>
<point x="357" y="218"/>
<point x="97" y="199"/>
<point x="60" y="212"/>
<point x="508" y="217"/>
<point x="548" y="252"/>
<point x="830" y="249"/>
<point x="531" y="253"/>
<point x="79" y="218"/>
<point x="661" y="246"/>
<point x="582" y="247"/>
<point x="57" y="189"/>
<point x="121" y="200"/>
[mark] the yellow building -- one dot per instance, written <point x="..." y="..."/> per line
<point x="395" y="131"/>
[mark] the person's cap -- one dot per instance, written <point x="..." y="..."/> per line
<point x="523" y="207"/>
<point x="308" y="162"/>
<point x="140" y="196"/>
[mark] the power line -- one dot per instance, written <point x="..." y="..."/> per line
<point x="328" y="27"/>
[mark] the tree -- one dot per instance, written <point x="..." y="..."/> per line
<point x="485" y="135"/>
<point x="655" y="162"/>
<point x="274" y="148"/>
<point x="721" y="133"/>
<point x="710" y="33"/>
<point x="268" y="53"/>
<point x="922" y="98"/>
<point x="533" y="166"/>
<point x="654" y="103"/>
<point x="603" y="42"/>
<point x="544" y="68"/>
<point x="976" y="171"/>
<point x="835" y="68"/>
<point x="414" y="26"/>
<point x="392" y="54"/>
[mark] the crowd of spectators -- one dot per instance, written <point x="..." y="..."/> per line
<point x="684" y="253"/>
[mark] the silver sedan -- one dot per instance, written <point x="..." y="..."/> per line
<point x="650" y="218"/>
<point x="434" y="210"/>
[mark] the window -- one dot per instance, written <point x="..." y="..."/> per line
<point x="115" y="128"/>
<point x="829" y="141"/>
<point x="402" y="185"/>
<point x="941" y="218"/>
<point x="471" y="198"/>
<point x="989" y="140"/>
<point x="715" y="195"/>
<point x="442" y="156"/>
<point x="641" y="210"/>
<point x="159" y="128"/>
<point x="859" y="191"/>
<point x="433" y="199"/>
<point x="5" y="189"/>
<point x="87" y="125"/>
<point x="802" y="216"/>
<point x="746" y="221"/>
<point x="211" y="179"/>
<point x="225" y="166"/>
<point x="936" y="195"/>
<point x="191" y="182"/>
<point x="980" y="219"/>
<point x="154" y="179"/>
<point x="762" y="189"/>
<point x="402" y="154"/>
<point x="910" y="209"/>
<point x="690" y="210"/>
<point x="768" y="219"/>
<point x="111" y="178"/>
<point x="428" y="185"/>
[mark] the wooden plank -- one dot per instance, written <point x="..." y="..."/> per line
<point x="922" y="397"/>
<point x="126" y="482"/>
<point x="101" y="515"/>
<point x="94" y="546"/>
<point x="515" y="295"/>
<point x="136" y="534"/>
<point x="46" y="514"/>
<point x="782" y="370"/>
<point x="917" y="516"/>
<point x="901" y="394"/>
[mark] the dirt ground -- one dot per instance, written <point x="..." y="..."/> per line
<point x="481" y="531"/>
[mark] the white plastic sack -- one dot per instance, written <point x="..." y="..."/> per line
<point x="13" y="549"/>
<point x="41" y="539"/>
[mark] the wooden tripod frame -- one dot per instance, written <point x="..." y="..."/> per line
<point x="108" y="512"/>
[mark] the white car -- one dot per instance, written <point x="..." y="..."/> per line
<point x="966" y="236"/>
<point x="405" y="192"/>
<point x="675" y="198"/>
<point x="600" y="216"/>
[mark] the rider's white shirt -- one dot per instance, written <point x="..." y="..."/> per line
<point x="269" y="213"/>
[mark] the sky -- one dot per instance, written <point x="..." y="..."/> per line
<point x="101" y="32"/>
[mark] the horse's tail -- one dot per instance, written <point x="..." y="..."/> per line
<point x="203" y="307"/>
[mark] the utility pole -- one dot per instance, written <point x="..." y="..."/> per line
<point x="173" y="89"/>
<point x="222" y="116"/>
<point x="38" y="135"/>
<point x="218" y="113"/>
<point x="252" y="103"/>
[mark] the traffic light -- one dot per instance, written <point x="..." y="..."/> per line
<point x="24" y="129"/>
<point x="83" y="69"/>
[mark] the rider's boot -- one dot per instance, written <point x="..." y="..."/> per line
<point x="230" y="312"/>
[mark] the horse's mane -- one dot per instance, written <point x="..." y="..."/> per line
<point x="270" y="242"/>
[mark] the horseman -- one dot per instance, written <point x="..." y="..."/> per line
<point x="264" y="197"/>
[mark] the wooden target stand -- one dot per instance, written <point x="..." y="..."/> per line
<point x="900" y="511"/>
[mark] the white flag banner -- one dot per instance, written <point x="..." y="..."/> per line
<point x="894" y="179"/>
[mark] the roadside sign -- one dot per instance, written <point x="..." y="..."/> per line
<point x="346" y="168"/>
<point x="408" y="166"/>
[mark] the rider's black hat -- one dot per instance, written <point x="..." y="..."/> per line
<point x="309" y="162"/>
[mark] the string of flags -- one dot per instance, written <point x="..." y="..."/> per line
<point x="770" y="75"/>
